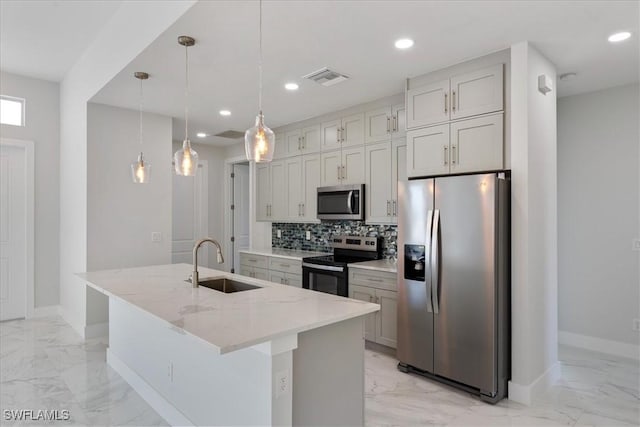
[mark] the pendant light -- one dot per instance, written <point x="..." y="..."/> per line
<point x="186" y="160"/>
<point x="140" y="169"/>
<point x="259" y="140"/>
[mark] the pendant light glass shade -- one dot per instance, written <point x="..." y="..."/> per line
<point x="259" y="141"/>
<point x="140" y="170"/>
<point x="185" y="161"/>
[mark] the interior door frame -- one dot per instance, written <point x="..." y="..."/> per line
<point x="28" y="147"/>
<point x="228" y="214"/>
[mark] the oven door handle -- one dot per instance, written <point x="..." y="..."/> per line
<point x="322" y="267"/>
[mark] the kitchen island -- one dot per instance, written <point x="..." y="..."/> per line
<point x="275" y="355"/>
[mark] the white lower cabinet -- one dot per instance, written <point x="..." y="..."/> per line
<point x="275" y="269"/>
<point x="473" y="145"/>
<point x="255" y="272"/>
<point x="380" y="288"/>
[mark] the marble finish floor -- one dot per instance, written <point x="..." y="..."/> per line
<point x="44" y="364"/>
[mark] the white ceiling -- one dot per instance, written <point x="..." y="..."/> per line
<point x="43" y="39"/>
<point x="356" y="38"/>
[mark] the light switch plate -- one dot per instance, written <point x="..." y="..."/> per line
<point x="156" y="236"/>
<point x="636" y="245"/>
<point x="308" y="235"/>
<point x="279" y="234"/>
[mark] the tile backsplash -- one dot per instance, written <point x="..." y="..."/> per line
<point x="294" y="235"/>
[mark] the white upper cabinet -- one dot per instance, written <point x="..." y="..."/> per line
<point x="299" y="141"/>
<point x="331" y="168"/>
<point x="292" y="142"/>
<point x="263" y="191"/>
<point x="330" y="135"/>
<point x="378" y="191"/>
<point x="377" y="125"/>
<point x="348" y="131"/>
<point x="278" y="208"/>
<point x="477" y="144"/>
<point x="428" y="104"/>
<point x="478" y="92"/>
<point x="293" y="190"/>
<point x="310" y="139"/>
<point x="311" y="182"/>
<point x="428" y="151"/>
<point x="463" y="95"/>
<point x="280" y="149"/>
<point x="353" y="165"/>
<point x="398" y="120"/>
<point x="398" y="171"/>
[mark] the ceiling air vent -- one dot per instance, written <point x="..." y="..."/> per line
<point x="326" y="77"/>
<point x="231" y="134"/>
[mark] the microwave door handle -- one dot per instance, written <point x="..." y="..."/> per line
<point x="349" y="204"/>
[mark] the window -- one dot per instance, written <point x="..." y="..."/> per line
<point x="11" y="110"/>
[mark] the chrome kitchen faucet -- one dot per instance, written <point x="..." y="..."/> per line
<point x="220" y="258"/>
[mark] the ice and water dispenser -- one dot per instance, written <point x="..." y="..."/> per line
<point x="414" y="262"/>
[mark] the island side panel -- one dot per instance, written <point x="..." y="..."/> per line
<point x="328" y="375"/>
<point x="207" y="388"/>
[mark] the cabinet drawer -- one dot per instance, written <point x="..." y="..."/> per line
<point x="285" y="265"/>
<point x="372" y="278"/>
<point x="251" y="260"/>
<point x="294" y="280"/>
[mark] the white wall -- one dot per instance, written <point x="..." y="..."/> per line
<point x="128" y="32"/>
<point x="534" y="226"/>
<point x="42" y="126"/>
<point x="598" y="216"/>
<point x="122" y="215"/>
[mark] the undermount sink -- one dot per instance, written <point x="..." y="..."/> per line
<point x="228" y="286"/>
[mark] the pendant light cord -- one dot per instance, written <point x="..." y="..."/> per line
<point x="186" y="94"/>
<point x="140" y="111"/>
<point x="260" y="64"/>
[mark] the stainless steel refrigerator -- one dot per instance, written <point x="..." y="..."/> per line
<point x="454" y="281"/>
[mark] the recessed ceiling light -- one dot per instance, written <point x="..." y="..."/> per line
<point x="404" y="43"/>
<point x="567" y="76"/>
<point x="291" y="86"/>
<point x="201" y="135"/>
<point x="225" y="112"/>
<point x="618" y="37"/>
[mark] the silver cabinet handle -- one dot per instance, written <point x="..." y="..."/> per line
<point x="446" y="158"/>
<point x="344" y="172"/>
<point x="338" y="136"/>
<point x="341" y="134"/>
<point x="453" y="101"/>
<point x="304" y="142"/>
<point x="395" y="123"/>
<point x="375" y="279"/>
<point x="388" y="124"/>
<point x="303" y="210"/>
<point x="285" y="265"/>
<point x="388" y="207"/>
<point x="338" y="173"/>
<point x="445" y="102"/>
<point x="453" y="154"/>
<point x="298" y="143"/>
<point x="395" y="211"/>
<point x="266" y="210"/>
<point x="435" y="260"/>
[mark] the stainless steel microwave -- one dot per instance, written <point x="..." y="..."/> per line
<point x="341" y="202"/>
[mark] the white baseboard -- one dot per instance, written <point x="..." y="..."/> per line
<point x="96" y="330"/>
<point x="165" y="409"/>
<point x="72" y="320"/>
<point x="599" y="345"/>
<point x="526" y="393"/>
<point x="51" y="310"/>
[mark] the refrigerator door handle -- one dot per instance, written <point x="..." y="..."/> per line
<point x="427" y="257"/>
<point x="435" y="260"/>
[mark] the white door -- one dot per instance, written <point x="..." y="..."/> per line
<point x="428" y="151"/>
<point x="377" y="125"/>
<point x="331" y="168"/>
<point x="13" y="232"/>
<point x="478" y="92"/>
<point x="329" y="135"/>
<point x="293" y="178"/>
<point x="279" y="197"/>
<point x="476" y="144"/>
<point x="353" y="165"/>
<point x="311" y="178"/>
<point x="428" y="104"/>
<point x="352" y="131"/>
<point x="311" y="139"/>
<point x="263" y="191"/>
<point x="190" y="219"/>
<point x="378" y="183"/>
<point x="240" y="211"/>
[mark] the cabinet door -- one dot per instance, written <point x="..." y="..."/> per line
<point x="398" y="172"/>
<point x="365" y="294"/>
<point x="352" y="132"/>
<point x="477" y="144"/>
<point x="280" y="149"/>
<point x="278" y="208"/>
<point x="261" y="273"/>
<point x="246" y="271"/>
<point x="263" y="191"/>
<point x="353" y="166"/>
<point x="311" y="139"/>
<point x="293" y="177"/>
<point x="331" y="168"/>
<point x="386" y="327"/>
<point x="398" y="120"/>
<point x="294" y="280"/>
<point x="329" y="135"/>
<point x="428" y="151"/>
<point x="377" y="125"/>
<point x="427" y="105"/>
<point x="292" y="142"/>
<point x="277" y="277"/>
<point x="378" y="183"/>
<point x="478" y="92"/>
<point x="311" y="182"/>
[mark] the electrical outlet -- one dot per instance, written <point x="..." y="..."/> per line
<point x="170" y="371"/>
<point x="156" y="236"/>
<point x="279" y="234"/>
<point x="636" y="245"/>
<point x="308" y="235"/>
<point x="282" y="383"/>
<point x="636" y="325"/>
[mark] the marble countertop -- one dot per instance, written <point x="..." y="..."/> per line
<point x="229" y="322"/>
<point x="386" y="265"/>
<point x="283" y="253"/>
